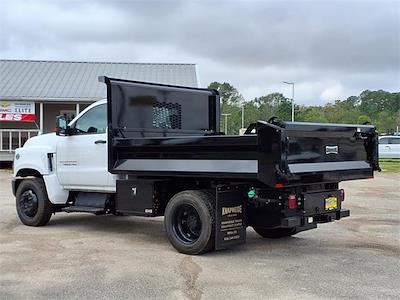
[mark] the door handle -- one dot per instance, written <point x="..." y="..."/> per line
<point x="100" y="142"/>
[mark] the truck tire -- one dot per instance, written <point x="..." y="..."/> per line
<point x="33" y="205"/>
<point x="274" y="233"/>
<point x="190" y="221"/>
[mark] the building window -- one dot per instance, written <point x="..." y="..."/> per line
<point x="68" y="114"/>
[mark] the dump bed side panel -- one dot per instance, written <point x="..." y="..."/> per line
<point x="196" y="156"/>
<point x="138" y="111"/>
<point x="157" y="130"/>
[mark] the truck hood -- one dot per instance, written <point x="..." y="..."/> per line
<point x="48" y="140"/>
<point x="34" y="154"/>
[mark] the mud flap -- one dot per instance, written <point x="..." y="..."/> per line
<point x="230" y="222"/>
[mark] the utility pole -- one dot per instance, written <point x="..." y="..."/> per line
<point x="226" y="122"/>
<point x="292" y="84"/>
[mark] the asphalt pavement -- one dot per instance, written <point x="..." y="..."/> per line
<point x="82" y="256"/>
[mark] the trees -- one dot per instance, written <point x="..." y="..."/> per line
<point x="380" y="108"/>
<point x="229" y="95"/>
<point x="311" y="114"/>
<point x="274" y="105"/>
<point x="364" y="119"/>
<point x="231" y="100"/>
<point x="383" y="108"/>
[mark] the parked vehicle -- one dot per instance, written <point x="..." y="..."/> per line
<point x="389" y="146"/>
<point x="153" y="150"/>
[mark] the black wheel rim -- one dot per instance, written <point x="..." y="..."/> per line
<point x="187" y="224"/>
<point x="28" y="203"/>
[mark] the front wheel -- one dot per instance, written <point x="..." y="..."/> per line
<point x="274" y="233"/>
<point x="33" y="206"/>
<point x="190" y="221"/>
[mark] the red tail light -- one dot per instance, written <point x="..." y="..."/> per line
<point x="292" y="202"/>
<point x="342" y="194"/>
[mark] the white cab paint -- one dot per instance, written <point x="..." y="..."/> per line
<point x="56" y="193"/>
<point x="81" y="162"/>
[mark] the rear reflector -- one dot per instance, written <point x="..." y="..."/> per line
<point x="342" y="194"/>
<point x="279" y="185"/>
<point x="292" y="203"/>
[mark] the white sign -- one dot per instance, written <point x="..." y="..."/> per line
<point x="17" y="111"/>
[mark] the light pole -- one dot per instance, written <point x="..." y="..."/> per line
<point x="291" y="83"/>
<point x="226" y="122"/>
<point x="243" y="116"/>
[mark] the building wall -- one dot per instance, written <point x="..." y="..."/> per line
<point x="10" y="140"/>
<point x="50" y="112"/>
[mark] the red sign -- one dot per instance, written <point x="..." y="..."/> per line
<point x="17" y="117"/>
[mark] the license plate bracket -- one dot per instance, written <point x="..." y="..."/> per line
<point x="320" y="202"/>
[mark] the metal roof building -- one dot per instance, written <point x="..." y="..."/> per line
<point x="33" y="93"/>
<point x="77" y="81"/>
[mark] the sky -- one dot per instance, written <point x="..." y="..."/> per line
<point x="329" y="49"/>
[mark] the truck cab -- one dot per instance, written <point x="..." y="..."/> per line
<point x="73" y="162"/>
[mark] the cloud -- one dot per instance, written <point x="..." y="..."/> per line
<point x="330" y="49"/>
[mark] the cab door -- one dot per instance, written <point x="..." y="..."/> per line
<point x="82" y="156"/>
<point x="384" y="147"/>
<point x="394" y="147"/>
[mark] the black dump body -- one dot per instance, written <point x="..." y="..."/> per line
<point x="162" y="131"/>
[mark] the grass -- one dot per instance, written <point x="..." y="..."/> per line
<point x="390" y="165"/>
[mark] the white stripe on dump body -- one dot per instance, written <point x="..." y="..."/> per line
<point x="190" y="165"/>
<point x="328" y="166"/>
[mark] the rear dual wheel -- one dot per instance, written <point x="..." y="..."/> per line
<point x="190" y="222"/>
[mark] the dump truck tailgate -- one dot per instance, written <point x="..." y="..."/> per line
<point x="316" y="152"/>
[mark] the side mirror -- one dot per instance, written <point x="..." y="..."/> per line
<point x="61" y="125"/>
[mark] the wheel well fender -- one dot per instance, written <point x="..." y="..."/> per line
<point x="21" y="175"/>
<point x="28" y="172"/>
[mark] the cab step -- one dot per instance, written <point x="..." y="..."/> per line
<point x="86" y="209"/>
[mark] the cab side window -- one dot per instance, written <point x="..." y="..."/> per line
<point x="93" y="121"/>
<point x="384" y="141"/>
<point x="395" y="141"/>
